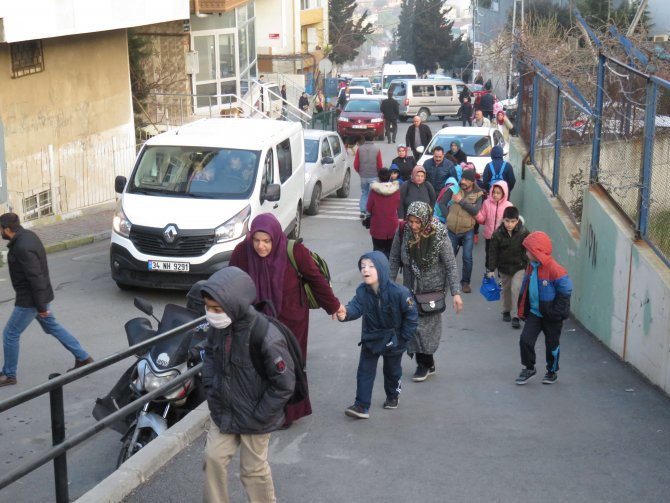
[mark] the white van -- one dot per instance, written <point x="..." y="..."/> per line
<point x="426" y="97"/>
<point x="397" y="70"/>
<point x="193" y="193"/>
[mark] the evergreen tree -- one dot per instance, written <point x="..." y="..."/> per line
<point x="433" y="41"/>
<point x="405" y="43"/>
<point x="346" y="34"/>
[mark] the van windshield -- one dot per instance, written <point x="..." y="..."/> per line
<point x="212" y="173"/>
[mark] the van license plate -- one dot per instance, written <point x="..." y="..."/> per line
<point x="157" y="265"/>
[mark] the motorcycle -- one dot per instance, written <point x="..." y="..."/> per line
<point x="157" y="366"/>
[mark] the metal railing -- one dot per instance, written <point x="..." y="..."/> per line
<point x="61" y="444"/>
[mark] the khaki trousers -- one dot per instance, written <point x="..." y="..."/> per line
<point x="254" y="468"/>
<point x="511" y="286"/>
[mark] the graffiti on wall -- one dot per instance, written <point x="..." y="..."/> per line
<point x="592" y="246"/>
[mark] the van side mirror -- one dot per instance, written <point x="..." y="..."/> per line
<point x="119" y="184"/>
<point x="327" y="160"/>
<point x="272" y="192"/>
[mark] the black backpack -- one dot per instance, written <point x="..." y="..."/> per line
<point x="258" y="331"/>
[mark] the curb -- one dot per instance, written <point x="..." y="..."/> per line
<point x="143" y="465"/>
<point x="76" y="242"/>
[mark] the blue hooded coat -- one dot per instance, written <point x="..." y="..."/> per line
<point x="496" y="165"/>
<point x="389" y="315"/>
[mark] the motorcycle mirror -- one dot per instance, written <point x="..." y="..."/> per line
<point x="144" y="306"/>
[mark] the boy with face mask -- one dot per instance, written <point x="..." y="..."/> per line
<point x="244" y="408"/>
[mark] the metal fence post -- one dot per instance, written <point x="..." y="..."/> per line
<point x="58" y="436"/>
<point x="557" y="145"/>
<point x="647" y="159"/>
<point x="598" y="115"/>
<point x="533" y="117"/>
<point x="519" y="100"/>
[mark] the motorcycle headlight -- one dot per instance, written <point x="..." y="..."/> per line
<point x="120" y="223"/>
<point x="153" y="381"/>
<point x="233" y="228"/>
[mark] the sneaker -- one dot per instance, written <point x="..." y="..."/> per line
<point x="506" y="316"/>
<point x="516" y="323"/>
<point x="550" y="378"/>
<point x="391" y="403"/>
<point x="6" y="380"/>
<point x="421" y="374"/>
<point x="361" y="216"/>
<point x="465" y="288"/>
<point x="358" y="412"/>
<point x="525" y="376"/>
<point x="431" y="371"/>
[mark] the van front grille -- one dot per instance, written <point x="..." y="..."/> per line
<point x="188" y="243"/>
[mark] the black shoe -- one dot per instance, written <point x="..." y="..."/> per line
<point x="391" y="403"/>
<point x="421" y="374"/>
<point x="516" y="323"/>
<point x="550" y="378"/>
<point x="506" y="316"/>
<point x="431" y="371"/>
<point x="525" y="376"/>
<point x="357" y="412"/>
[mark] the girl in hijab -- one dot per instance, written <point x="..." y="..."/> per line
<point x="503" y="125"/>
<point x="416" y="189"/>
<point x="263" y="255"/>
<point x="427" y="258"/>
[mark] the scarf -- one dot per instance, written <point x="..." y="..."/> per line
<point x="268" y="272"/>
<point x="424" y="249"/>
<point x="500" y="121"/>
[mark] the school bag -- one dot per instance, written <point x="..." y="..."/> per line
<point x="320" y="263"/>
<point x="497" y="177"/>
<point x="437" y="212"/>
<point x="258" y="331"/>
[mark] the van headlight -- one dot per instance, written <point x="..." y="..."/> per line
<point x="233" y="228"/>
<point x="120" y="223"/>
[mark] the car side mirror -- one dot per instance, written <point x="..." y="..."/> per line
<point x="120" y="184"/>
<point x="273" y="192"/>
<point x="327" y="160"/>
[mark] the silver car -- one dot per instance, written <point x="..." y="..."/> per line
<point x="326" y="168"/>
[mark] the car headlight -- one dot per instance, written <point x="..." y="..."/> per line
<point x="120" y="222"/>
<point x="377" y="120"/>
<point x="233" y="228"/>
<point x="342" y="119"/>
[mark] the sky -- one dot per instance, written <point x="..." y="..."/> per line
<point x="660" y="11"/>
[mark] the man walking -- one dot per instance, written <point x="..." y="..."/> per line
<point x="391" y="111"/>
<point x="367" y="163"/>
<point x="480" y="120"/>
<point x="29" y="273"/>
<point x="418" y="135"/>
<point x="438" y="169"/>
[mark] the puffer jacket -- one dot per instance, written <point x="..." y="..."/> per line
<point x="240" y="400"/>
<point x="491" y="211"/>
<point x="554" y="284"/>
<point x="29" y="271"/>
<point x="383" y="204"/>
<point x="506" y="252"/>
<point x="391" y="310"/>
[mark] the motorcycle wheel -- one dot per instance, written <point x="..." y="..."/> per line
<point x="127" y="450"/>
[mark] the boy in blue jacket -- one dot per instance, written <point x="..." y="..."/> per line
<point x="390" y="319"/>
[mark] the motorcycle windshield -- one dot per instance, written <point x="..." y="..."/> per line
<point x="173" y="351"/>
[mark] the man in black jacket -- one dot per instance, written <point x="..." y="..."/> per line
<point x="418" y="135"/>
<point x="391" y="111"/>
<point x="244" y="406"/>
<point x="29" y="273"/>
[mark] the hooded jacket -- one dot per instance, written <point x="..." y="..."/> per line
<point x="389" y="314"/>
<point x="240" y="400"/>
<point x="496" y="163"/>
<point x="459" y="154"/>
<point x="491" y="211"/>
<point x="506" y="252"/>
<point x="29" y="271"/>
<point x="554" y="284"/>
<point x="383" y="204"/>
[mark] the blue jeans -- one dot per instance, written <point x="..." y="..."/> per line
<point x="19" y="320"/>
<point x="367" y="371"/>
<point x="365" y="190"/>
<point x="464" y="240"/>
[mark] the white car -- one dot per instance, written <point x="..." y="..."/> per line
<point x="362" y="82"/>
<point x="476" y="142"/>
<point x="357" y="91"/>
<point x="326" y="169"/>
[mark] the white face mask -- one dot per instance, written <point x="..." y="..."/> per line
<point x="218" y="320"/>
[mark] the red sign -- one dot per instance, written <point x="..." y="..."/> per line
<point x="274" y="36"/>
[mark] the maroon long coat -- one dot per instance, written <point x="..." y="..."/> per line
<point x="294" y="312"/>
<point x="383" y="204"/>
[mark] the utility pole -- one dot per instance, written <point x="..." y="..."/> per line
<point x="511" y="54"/>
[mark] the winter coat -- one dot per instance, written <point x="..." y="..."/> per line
<point x="496" y="163"/>
<point x="405" y="165"/>
<point x="424" y="133"/>
<point x="504" y="128"/>
<point x="383" y="204"/>
<point x="486" y="102"/>
<point x="240" y="400"/>
<point x="554" y="284"/>
<point x="460" y="217"/>
<point x="28" y="270"/>
<point x="491" y="211"/>
<point x="390" y="109"/>
<point x="437" y="175"/>
<point x="506" y="252"/>
<point x="410" y="192"/>
<point x="389" y="314"/>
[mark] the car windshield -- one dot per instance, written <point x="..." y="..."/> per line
<point x="474" y="145"/>
<point x="353" y="90"/>
<point x="362" y="106"/>
<point x="360" y="82"/>
<point x="176" y="171"/>
<point x="311" y="150"/>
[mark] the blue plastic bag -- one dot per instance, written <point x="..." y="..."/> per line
<point x="490" y="289"/>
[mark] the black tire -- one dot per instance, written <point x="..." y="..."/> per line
<point x="343" y="191"/>
<point x="295" y="233"/>
<point x="127" y="450"/>
<point x="315" y="202"/>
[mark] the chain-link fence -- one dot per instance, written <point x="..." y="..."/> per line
<point x="545" y="135"/>
<point x="525" y="118"/>
<point x="658" y="224"/>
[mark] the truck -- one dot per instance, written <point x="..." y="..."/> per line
<point x="397" y="70"/>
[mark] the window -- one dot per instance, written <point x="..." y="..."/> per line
<point x="27" y="58"/>
<point x="336" y="145"/>
<point x="325" y="149"/>
<point x="443" y="89"/>
<point x="37" y="205"/>
<point x="284" y="160"/>
<point x="424" y="91"/>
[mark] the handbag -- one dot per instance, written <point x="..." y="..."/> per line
<point x="430" y="303"/>
<point x="490" y="289"/>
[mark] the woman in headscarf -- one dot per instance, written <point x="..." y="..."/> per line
<point x="456" y="152"/>
<point x="416" y="189"/>
<point x="263" y="255"/>
<point x="503" y="125"/>
<point x="423" y="250"/>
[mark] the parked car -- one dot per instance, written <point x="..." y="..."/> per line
<point x="361" y="115"/>
<point x="362" y="82"/>
<point x="476" y="142"/>
<point x="357" y="91"/>
<point x="326" y="169"/>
